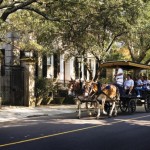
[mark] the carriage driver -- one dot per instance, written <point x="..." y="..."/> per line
<point x="119" y="79"/>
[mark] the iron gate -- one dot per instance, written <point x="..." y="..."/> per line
<point x="13" y="86"/>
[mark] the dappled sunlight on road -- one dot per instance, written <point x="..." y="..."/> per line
<point x="140" y="122"/>
<point x="104" y="121"/>
<point x="92" y="121"/>
<point x="18" y="124"/>
<point x="136" y="122"/>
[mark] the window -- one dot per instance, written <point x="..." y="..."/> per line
<point x="49" y="60"/>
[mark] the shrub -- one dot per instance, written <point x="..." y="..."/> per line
<point x="43" y="88"/>
<point x="69" y="100"/>
<point x="59" y="100"/>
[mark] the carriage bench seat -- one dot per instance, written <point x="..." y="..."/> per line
<point x="130" y="97"/>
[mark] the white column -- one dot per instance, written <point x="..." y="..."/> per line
<point x="67" y="70"/>
<point x="93" y="63"/>
<point x="52" y="66"/>
<point x="72" y="69"/>
<point x="61" y="67"/>
<point x="40" y="65"/>
<point x="88" y="75"/>
<point x="82" y="69"/>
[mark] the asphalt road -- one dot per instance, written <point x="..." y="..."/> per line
<point x="65" y="132"/>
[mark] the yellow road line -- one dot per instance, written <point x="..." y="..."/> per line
<point x="47" y="136"/>
<point x="61" y="133"/>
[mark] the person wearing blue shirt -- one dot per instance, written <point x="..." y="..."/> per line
<point x="139" y="86"/>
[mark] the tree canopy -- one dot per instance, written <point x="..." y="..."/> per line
<point x="81" y="26"/>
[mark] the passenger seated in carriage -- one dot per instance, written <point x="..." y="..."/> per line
<point x="146" y="83"/>
<point x="143" y="84"/>
<point x="139" y="86"/>
<point x="128" y="85"/>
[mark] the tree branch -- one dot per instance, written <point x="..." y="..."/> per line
<point x="143" y="54"/>
<point x="116" y="36"/>
<point x="130" y="51"/>
<point x="14" y="8"/>
<point x="41" y="13"/>
<point x="147" y="61"/>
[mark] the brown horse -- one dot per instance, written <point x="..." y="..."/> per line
<point x="105" y="92"/>
<point x="93" y="91"/>
<point x="74" y="88"/>
<point x="80" y="90"/>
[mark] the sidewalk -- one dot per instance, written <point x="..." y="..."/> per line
<point x="10" y="113"/>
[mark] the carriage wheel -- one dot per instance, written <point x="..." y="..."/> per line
<point x="132" y="106"/>
<point x="123" y="106"/>
<point x="147" y="104"/>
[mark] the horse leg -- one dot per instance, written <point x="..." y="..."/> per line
<point x="98" y="110"/>
<point x="91" y="104"/>
<point x="88" y="109"/>
<point x="95" y="108"/>
<point x="79" y="109"/>
<point x="86" y="105"/>
<point x="112" y="108"/>
<point x="115" y="109"/>
<point x="103" y="108"/>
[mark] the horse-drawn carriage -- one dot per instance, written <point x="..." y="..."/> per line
<point x="129" y="102"/>
<point x="107" y="97"/>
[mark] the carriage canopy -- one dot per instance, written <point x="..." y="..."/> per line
<point x="127" y="65"/>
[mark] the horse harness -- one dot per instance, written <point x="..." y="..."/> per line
<point x="98" y="90"/>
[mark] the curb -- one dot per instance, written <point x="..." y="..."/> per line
<point x="42" y="115"/>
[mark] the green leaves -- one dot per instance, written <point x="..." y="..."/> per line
<point x="76" y="27"/>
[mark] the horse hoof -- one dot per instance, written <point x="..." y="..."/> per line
<point x="104" y="113"/>
<point x="97" y="117"/>
<point x="78" y="117"/>
<point x="90" y="114"/>
<point x="95" y="114"/>
<point x="109" y="116"/>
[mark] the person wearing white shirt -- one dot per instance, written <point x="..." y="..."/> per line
<point x="128" y="85"/>
<point x="119" y="79"/>
<point x="119" y="76"/>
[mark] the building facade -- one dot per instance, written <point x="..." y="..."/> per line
<point x="19" y="70"/>
<point x="73" y="68"/>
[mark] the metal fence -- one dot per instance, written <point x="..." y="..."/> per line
<point x="13" y="85"/>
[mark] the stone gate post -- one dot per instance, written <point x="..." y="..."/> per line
<point x="29" y="81"/>
<point x="0" y="86"/>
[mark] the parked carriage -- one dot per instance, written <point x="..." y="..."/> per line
<point x="126" y="102"/>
